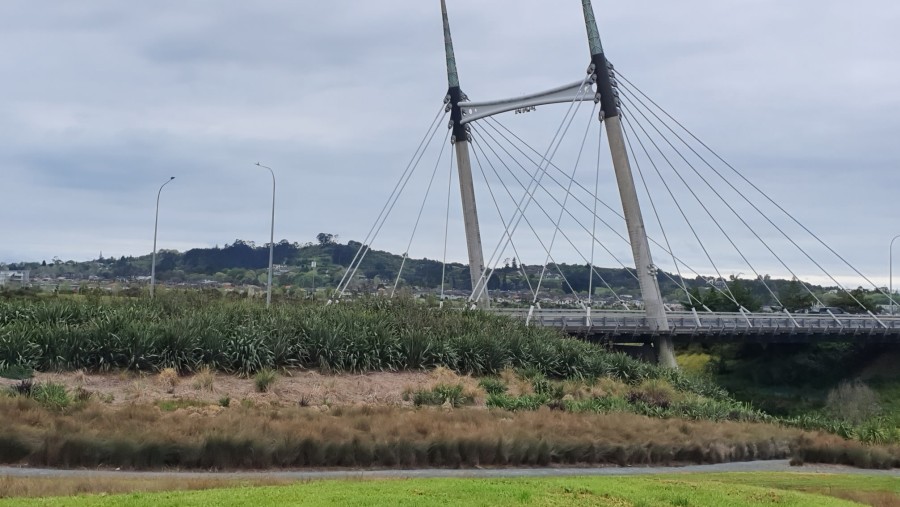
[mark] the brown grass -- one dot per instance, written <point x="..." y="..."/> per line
<point x="204" y="380"/>
<point x="143" y="436"/>
<point x="39" y="487"/>
<point x="168" y="378"/>
<point x="873" y="498"/>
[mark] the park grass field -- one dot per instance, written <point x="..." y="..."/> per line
<point x="735" y="489"/>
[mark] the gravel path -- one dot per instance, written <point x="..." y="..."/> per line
<point x="301" y="475"/>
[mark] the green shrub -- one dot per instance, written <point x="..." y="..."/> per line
<point x="189" y="332"/>
<point x="16" y="372"/>
<point x="493" y="385"/>
<point x="264" y="379"/>
<point x="51" y="395"/>
<point x="173" y="405"/>
<point x="441" y="394"/>
<point x="225" y="401"/>
<point x="516" y="403"/>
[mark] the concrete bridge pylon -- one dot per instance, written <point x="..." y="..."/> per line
<point x="604" y="76"/>
<point x="460" y="138"/>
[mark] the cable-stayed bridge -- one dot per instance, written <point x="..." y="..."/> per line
<point x="693" y="197"/>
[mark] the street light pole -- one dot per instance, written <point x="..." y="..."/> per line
<point x="155" y="228"/>
<point x="891" y="272"/>
<point x="271" y="238"/>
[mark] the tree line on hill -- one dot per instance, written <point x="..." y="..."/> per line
<point x="244" y="262"/>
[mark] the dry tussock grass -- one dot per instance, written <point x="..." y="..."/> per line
<point x="142" y="436"/>
<point x="606" y="386"/>
<point x="169" y="379"/>
<point x="517" y="385"/>
<point x="204" y="380"/>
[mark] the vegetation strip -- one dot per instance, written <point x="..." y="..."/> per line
<point x="190" y="333"/>
<point x="656" y="491"/>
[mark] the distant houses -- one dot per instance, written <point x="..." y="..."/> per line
<point x="18" y="278"/>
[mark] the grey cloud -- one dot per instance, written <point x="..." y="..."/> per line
<point x="104" y="100"/>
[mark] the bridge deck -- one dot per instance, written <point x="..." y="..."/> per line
<point x="624" y="326"/>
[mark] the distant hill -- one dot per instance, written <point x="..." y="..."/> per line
<point x="245" y="263"/>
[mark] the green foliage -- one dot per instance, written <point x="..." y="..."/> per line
<point x="188" y="332"/>
<point x="723" y="300"/>
<point x="173" y="405"/>
<point x="794" y="297"/>
<point x="51" y="395"/>
<point x="516" y="403"/>
<point x="17" y="372"/>
<point x="264" y="379"/>
<point x="441" y="394"/>
<point x="857" y="300"/>
<point x="493" y="385"/>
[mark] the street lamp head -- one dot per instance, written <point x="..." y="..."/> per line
<point x="171" y="178"/>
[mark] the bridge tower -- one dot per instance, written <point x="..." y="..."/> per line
<point x="604" y="76"/>
<point x="460" y="138"/>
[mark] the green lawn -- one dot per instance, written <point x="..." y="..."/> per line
<point x="732" y="490"/>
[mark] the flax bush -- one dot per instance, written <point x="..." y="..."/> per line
<point x="188" y="332"/>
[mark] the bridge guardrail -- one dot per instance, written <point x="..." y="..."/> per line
<point x="681" y="322"/>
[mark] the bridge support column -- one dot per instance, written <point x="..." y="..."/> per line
<point x="464" y="166"/>
<point x="634" y="220"/>
<point x="470" y="217"/>
<point x="640" y="247"/>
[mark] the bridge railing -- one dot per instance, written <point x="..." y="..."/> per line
<point x="624" y="320"/>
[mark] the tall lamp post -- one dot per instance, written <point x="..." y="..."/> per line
<point x="155" y="229"/>
<point x="891" y="272"/>
<point x="271" y="238"/>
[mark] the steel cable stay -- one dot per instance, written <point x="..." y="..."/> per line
<point x="418" y="218"/>
<point x="760" y="191"/>
<point x="628" y="122"/>
<point x="752" y="185"/>
<point x="734" y="212"/>
<point x="562" y="208"/>
<point x="793" y="274"/>
<point x="603" y="221"/>
<point x="447" y="227"/>
<point x="591" y="194"/>
<point x="696" y="197"/>
<point x="556" y="200"/>
<point x="662" y="228"/>
<point x="572" y="195"/>
<point x="560" y="133"/>
<point x="477" y="144"/>
<point x="546" y="214"/>
<point x="428" y="136"/>
<point x="594" y="227"/>
<point x="383" y="216"/>
<point x="368" y="246"/>
<point x="504" y="223"/>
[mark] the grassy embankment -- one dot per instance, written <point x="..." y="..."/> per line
<point x="687" y="489"/>
<point x="189" y="333"/>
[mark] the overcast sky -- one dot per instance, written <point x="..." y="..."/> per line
<point x="102" y="101"/>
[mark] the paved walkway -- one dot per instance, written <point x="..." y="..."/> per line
<point x="305" y="475"/>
